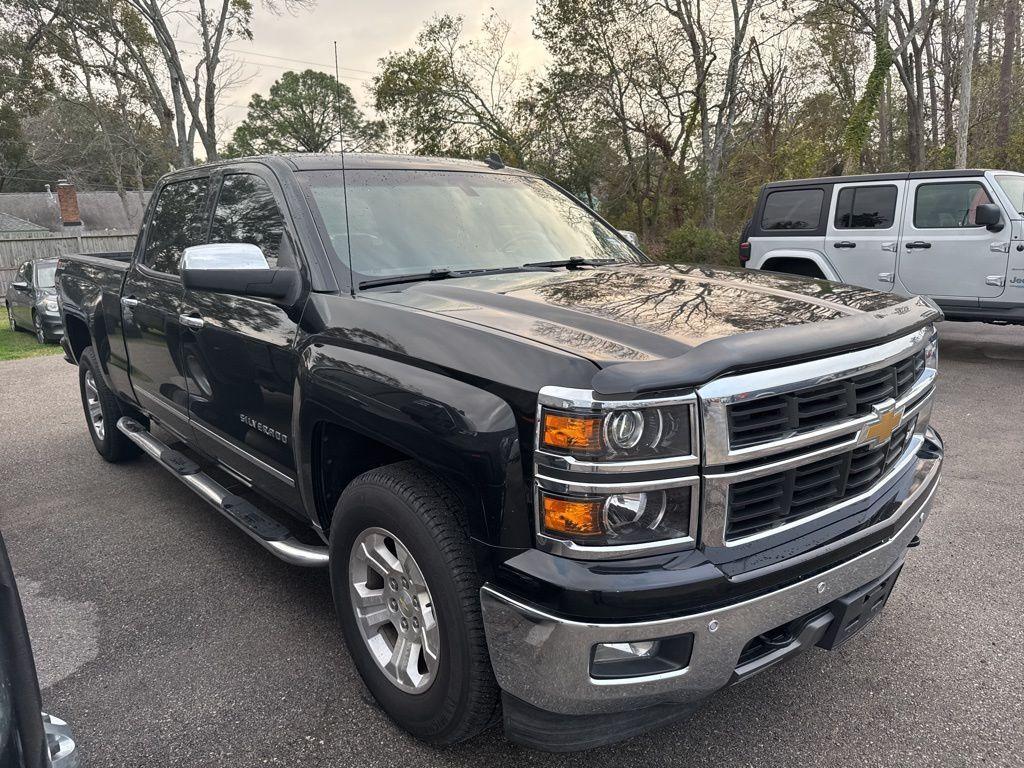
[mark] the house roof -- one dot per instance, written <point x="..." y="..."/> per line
<point x="9" y="223"/>
<point x="100" y="211"/>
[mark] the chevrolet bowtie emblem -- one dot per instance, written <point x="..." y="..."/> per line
<point x="881" y="430"/>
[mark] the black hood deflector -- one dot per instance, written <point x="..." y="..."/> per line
<point x="760" y="349"/>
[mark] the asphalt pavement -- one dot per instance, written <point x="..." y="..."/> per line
<point x="167" y="638"/>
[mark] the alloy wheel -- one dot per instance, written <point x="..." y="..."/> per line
<point x="394" y="610"/>
<point x="40" y="335"/>
<point x="92" y="404"/>
<point x="10" y="318"/>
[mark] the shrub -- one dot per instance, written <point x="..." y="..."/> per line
<point x="695" y="245"/>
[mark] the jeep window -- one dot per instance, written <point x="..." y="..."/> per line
<point x="247" y="212"/>
<point x="866" y="207"/>
<point x="792" y="209"/>
<point x="179" y="221"/>
<point x="404" y="221"/>
<point x="948" y="205"/>
<point x="1013" y="186"/>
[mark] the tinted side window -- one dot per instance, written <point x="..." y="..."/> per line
<point x="178" y="222"/>
<point x="247" y="213"/>
<point x="792" y="209"/>
<point x="948" y="205"/>
<point x="866" y="207"/>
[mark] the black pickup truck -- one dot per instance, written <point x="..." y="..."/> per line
<point x="556" y="483"/>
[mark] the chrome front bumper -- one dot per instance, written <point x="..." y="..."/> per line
<point x="544" y="660"/>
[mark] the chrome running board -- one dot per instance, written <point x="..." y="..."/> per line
<point x="266" y="531"/>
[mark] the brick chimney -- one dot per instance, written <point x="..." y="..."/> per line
<point x="67" y="199"/>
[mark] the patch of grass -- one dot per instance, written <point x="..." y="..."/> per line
<point x="17" y="344"/>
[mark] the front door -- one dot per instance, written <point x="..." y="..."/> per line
<point x="151" y="301"/>
<point x="863" y="232"/>
<point x="22" y="299"/>
<point x="943" y="252"/>
<point x="240" y="351"/>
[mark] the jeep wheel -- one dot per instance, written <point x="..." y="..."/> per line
<point x="407" y="593"/>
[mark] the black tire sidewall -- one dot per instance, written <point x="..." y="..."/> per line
<point x="435" y="712"/>
<point x="37" y="326"/>
<point x="105" y="447"/>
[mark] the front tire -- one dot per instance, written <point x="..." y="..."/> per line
<point x="37" y="325"/>
<point x="10" y="319"/>
<point x="406" y="590"/>
<point x="102" y="410"/>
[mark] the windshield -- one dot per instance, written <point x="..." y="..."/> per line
<point x="1013" y="186"/>
<point x="45" y="274"/>
<point x="405" y="222"/>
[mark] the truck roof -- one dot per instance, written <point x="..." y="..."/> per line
<point x="947" y="174"/>
<point x="303" y="161"/>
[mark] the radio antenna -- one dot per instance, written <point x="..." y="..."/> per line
<point x="337" y="103"/>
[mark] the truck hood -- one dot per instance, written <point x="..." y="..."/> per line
<point x="634" y="313"/>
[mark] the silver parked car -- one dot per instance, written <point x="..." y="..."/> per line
<point x="32" y="301"/>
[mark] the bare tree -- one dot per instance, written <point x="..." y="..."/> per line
<point x="966" y="71"/>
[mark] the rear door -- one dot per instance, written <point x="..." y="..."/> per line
<point x="789" y="224"/>
<point x="151" y="300"/>
<point x="241" y="361"/>
<point x="943" y="252"/>
<point x="863" y="232"/>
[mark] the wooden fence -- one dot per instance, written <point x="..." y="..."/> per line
<point x="18" y="247"/>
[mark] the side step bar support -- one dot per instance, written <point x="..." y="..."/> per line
<point x="271" y="534"/>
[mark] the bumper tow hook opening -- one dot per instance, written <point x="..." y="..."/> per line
<point x="914" y="542"/>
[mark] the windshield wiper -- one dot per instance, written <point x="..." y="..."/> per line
<point x="573" y="262"/>
<point x="439" y="273"/>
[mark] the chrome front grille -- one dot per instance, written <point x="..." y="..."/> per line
<point x="767" y="502"/>
<point x="752" y="422"/>
<point x="788" y="447"/>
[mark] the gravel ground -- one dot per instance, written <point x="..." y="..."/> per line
<point x="167" y="638"/>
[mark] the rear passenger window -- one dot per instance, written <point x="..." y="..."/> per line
<point x="792" y="209"/>
<point x="178" y="222"/>
<point x="866" y="207"/>
<point x="248" y="213"/>
<point x="948" y="205"/>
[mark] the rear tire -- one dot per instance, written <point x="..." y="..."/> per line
<point x="102" y="410"/>
<point x="406" y="508"/>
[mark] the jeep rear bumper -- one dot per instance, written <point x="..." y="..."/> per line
<point x="543" y="662"/>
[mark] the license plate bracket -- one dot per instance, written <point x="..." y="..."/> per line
<point x="855" y="611"/>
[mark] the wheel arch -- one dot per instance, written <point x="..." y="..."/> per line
<point x="788" y="260"/>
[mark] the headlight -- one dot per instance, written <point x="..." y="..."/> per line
<point x="931" y="351"/>
<point x="51" y="305"/>
<point x="618" y="435"/>
<point x="617" y="519"/>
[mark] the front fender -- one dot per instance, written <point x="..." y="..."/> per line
<point x="465" y="433"/>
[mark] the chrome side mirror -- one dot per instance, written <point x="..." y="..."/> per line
<point x="630" y="237"/>
<point x="224" y="256"/>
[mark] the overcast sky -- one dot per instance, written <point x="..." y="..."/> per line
<point x="365" y="32"/>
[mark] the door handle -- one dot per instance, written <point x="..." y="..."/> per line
<point x="997" y="280"/>
<point x="891" y="247"/>
<point x="129" y="301"/>
<point x="886" y="277"/>
<point x="844" y="244"/>
<point x="999" y="247"/>
<point x="917" y="245"/>
<point x="191" y="321"/>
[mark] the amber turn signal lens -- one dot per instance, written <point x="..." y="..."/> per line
<point x="578" y="434"/>
<point x="579" y="517"/>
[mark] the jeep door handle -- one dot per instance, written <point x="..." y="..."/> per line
<point x="191" y="321"/>
<point x="997" y="280"/>
<point x="129" y="301"/>
<point x="918" y="245"/>
<point x="844" y="244"/>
